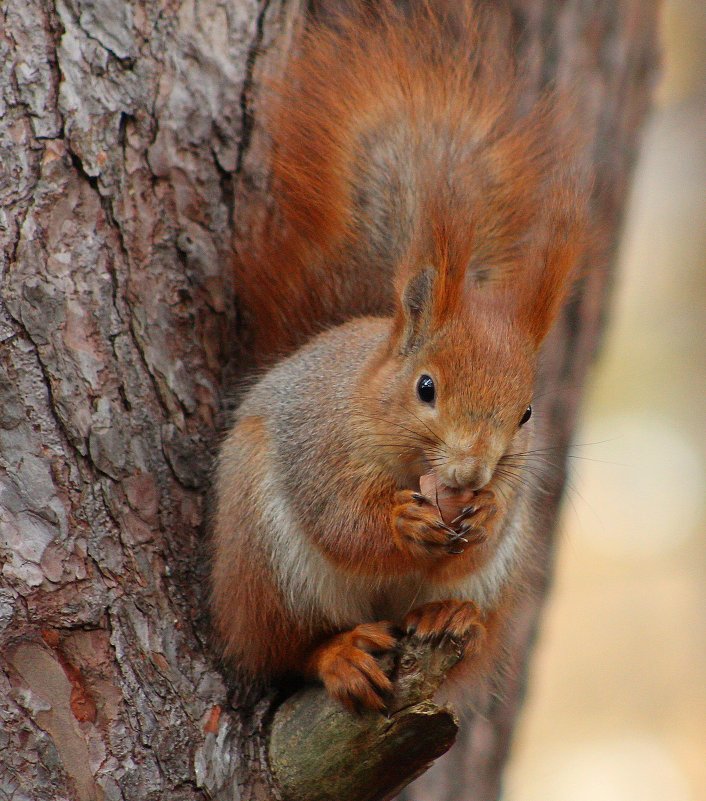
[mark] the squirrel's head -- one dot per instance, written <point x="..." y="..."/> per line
<point x="455" y="390"/>
<point x="465" y="394"/>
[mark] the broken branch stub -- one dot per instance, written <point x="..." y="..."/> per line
<point x="320" y="752"/>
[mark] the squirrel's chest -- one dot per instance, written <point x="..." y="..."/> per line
<point x="394" y="601"/>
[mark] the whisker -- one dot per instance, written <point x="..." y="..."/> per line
<point x="516" y="481"/>
<point x="598" y="461"/>
<point x="416" y="434"/>
<point x="598" y="442"/>
<point x="408" y="438"/>
<point x="429" y="428"/>
<point x="433" y="460"/>
<point x="413" y="443"/>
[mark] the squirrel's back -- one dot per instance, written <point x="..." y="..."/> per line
<point x="388" y="127"/>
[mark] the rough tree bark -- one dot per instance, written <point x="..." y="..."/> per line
<point x="130" y="152"/>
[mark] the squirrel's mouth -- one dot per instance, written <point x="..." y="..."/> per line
<point x="449" y="500"/>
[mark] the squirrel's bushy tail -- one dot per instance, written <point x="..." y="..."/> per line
<point x="388" y="127"/>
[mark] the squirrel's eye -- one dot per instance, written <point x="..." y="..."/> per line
<point x="425" y="389"/>
<point x="526" y="416"/>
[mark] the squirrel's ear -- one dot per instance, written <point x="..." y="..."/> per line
<point x="556" y="268"/>
<point x="414" y="317"/>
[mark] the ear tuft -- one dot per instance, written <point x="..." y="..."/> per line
<point x="557" y="262"/>
<point x="416" y="302"/>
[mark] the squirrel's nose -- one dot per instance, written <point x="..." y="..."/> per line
<point x="472" y="474"/>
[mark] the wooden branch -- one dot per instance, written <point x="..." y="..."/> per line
<point x="321" y="752"/>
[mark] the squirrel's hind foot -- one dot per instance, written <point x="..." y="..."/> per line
<point x="345" y="665"/>
<point x="457" y="619"/>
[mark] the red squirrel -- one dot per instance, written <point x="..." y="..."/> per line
<point x="429" y="221"/>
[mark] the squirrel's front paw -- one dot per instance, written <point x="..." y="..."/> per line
<point x="476" y="520"/>
<point x="457" y="619"/>
<point x="348" y="671"/>
<point x="419" y="530"/>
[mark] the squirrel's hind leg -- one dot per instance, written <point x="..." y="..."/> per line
<point x="345" y="665"/>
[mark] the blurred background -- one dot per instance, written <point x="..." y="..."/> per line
<point x="617" y="701"/>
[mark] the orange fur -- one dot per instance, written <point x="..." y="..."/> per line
<point x="412" y="183"/>
<point x="397" y="140"/>
<point x="277" y="637"/>
<point x="347" y="669"/>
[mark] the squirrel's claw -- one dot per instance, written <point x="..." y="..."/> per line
<point x="419" y="530"/>
<point x="474" y="520"/>
<point x="421" y="499"/>
<point x="345" y="665"/>
<point x="465" y="512"/>
<point x="439" y="619"/>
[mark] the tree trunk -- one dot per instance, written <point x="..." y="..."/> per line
<point x="130" y="158"/>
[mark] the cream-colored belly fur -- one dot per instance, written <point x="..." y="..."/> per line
<point x="313" y="588"/>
